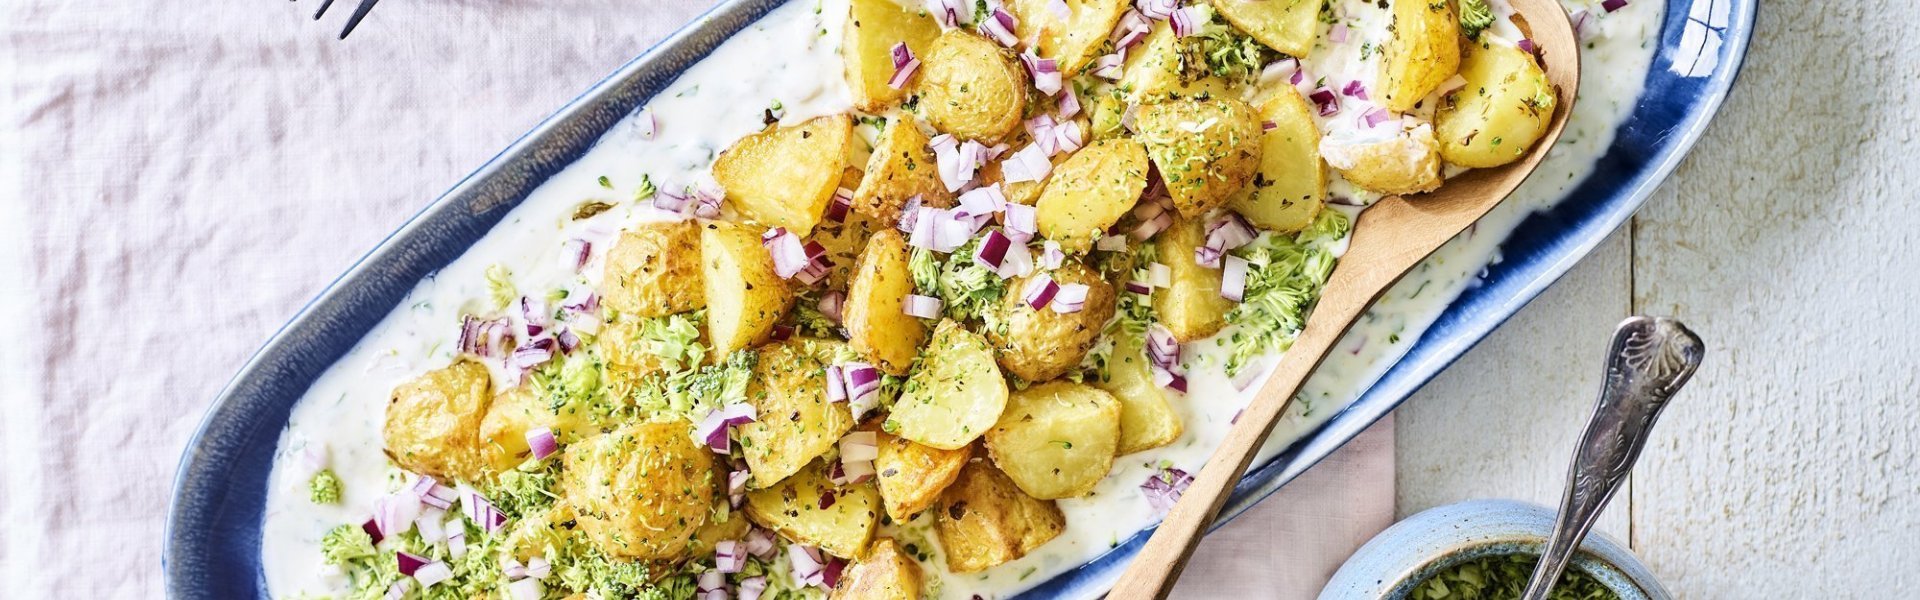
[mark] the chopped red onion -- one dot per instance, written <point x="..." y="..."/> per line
<point x="574" y="253"/>
<point x="1045" y="72"/>
<point x="789" y="253"/>
<point x="729" y="556"/>
<point x="1108" y="65"/>
<point x="952" y="231"/>
<point x="1040" y="129"/>
<point x="836" y="385"/>
<point x="644" y="124"/>
<point x="1584" y="25"/>
<point x="567" y="340"/>
<point x="1022" y="222"/>
<point x="1153" y="226"/>
<point x="752" y="587"/>
<point x="1163" y="350"/>
<point x="526" y="589"/>
<point x="999" y="26"/>
<point x="711" y="581"/>
<point x="511" y="567"/>
<point x="1071" y="298"/>
<point x="1111" y="243"/>
<point x="1266" y="126"/>
<point x="713" y="430"/>
<point x="956" y="160"/>
<point x="1028" y="164"/>
<point x="481" y="512"/>
<point x="1132" y="28"/>
<point x="831" y="304"/>
<point x="1187" y="21"/>
<point x="1169" y="379"/>
<point x="409" y="563"/>
<point x="1069" y="104"/>
<point x="850" y="473"/>
<point x="1299" y="75"/>
<point x="539" y="568"/>
<point x="1233" y="279"/>
<point x="830" y="576"/>
<point x="760" y="543"/>
<point x="542" y="443"/>
<point x="1208" y="256"/>
<point x="1613" y="5"/>
<point x="395" y="513"/>
<point x="672" y="202"/>
<point x="842" y="202"/>
<point x="859" y="446"/>
<point x="708" y="196"/>
<point x="1039" y="291"/>
<point x="1051" y="256"/>
<point x="1324" y="98"/>
<point x="1139" y="287"/>
<point x="781" y="332"/>
<point x="1157" y="9"/>
<point x="1527" y="46"/>
<point x="992" y="250"/>
<point x="1164" y="488"/>
<point x="925" y="307"/>
<point x="807" y="565"/>
<point x="903" y="72"/>
<point x="1229" y="232"/>
<point x="372" y="526"/>
<point x="981" y="202"/>
<point x="432" y="530"/>
<point x="1060" y="9"/>
<point x="1159" y="275"/>
<point x="862" y="384"/>
<point x="1279" y="70"/>
<point x="1355" y="89"/>
<point x="1018" y="262"/>
<point x="536" y="315"/>
<point x="1338" y="34"/>
<point x="1067" y="138"/>
<point x="456" y="538"/>
<point x="1376" y="115"/>
<point x="399" y="589"/>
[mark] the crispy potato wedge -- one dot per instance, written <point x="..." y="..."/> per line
<point x="1190" y="306"/>
<point x="845" y="239"/>
<point x="1056" y="439"/>
<point x="1207" y="150"/>
<point x="1406" y="162"/>
<point x="1287" y="26"/>
<point x="884" y="573"/>
<point x="433" y="422"/>
<point x="1422" y="54"/>
<point x="745" y="297"/>
<point x="796" y="422"/>
<point x="1106" y="115"/>
<point x="983" y="519"/>
<point x="901" y="167"/>
<point x="1038" y="345"/>
<point x="654" y="271"/>
<point x="1155" y="70"/>
<point x="1504" y="108"/>
<point x="785" y="176"/>
<point x="875" y="316"/>
<point x="955" y="395"/>
<point x="1075" y="40"/>
<point x="639" y="492"/>
<point x="808" y="508"/>
<point x="912" y="475"/>
<point x="1147" y="421"/>
<point x="1291" y="185"/>
<point x="971" y="87"/>
<point x="873" y="27"/>
<point x="1091" y="191"/>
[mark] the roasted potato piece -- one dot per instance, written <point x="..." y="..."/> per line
<point x="796" y="422"/>
<point x="911" y="475"/>
<point x="955" y="395"/>
<point x="884" y="573"/>
<point x="1402" y="162"/>
<point x="1207" y="150"/>
<point x="1190" y="306"/>
<point x="1147" y="421"/>
<point x="1091" y="191"/>
<point x="1106" y="115"/>
<point x="971" y="87"/>
<point x="785" y="176"/>
<point x="983" y="519"/>
<point x="846" y="239"/>
<point x="875" y="316"/>
<point x="1056" y="439"/>
<point x="873" y="27"/>
<point x="1291" y="184"/>
<point x="1038" y="345"/>
<point x="993" y="173"/>
<point x="503" y="432"/>
<point x="901" y="167"/>
<point x="1422" y="54"/>
<point x="808" y="508"/>
<point x="1287" y="26"/>
<point x="642" y="490"/>
<point x="1075" y="40"/>
<point x="1500" y="113"/>
<point x="745" y="297"/>
<point x="433" y="422"/>
<point x="654" y="270"/>
<point x="1157" y="69"/>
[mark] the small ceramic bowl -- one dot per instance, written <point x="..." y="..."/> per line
<point x="1393" y="563"/>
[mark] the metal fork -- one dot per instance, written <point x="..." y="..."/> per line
<point x="359" y="13"/>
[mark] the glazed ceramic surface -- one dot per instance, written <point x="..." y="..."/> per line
<point x="1393" y="563"/>
<point x="213" y="532"/>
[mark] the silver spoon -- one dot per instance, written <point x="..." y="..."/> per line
<point x="1648" y="362"/>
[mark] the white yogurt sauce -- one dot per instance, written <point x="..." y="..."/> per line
<point x="792" y="56"/>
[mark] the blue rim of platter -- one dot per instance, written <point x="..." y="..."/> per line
<point x="213" y="532"/>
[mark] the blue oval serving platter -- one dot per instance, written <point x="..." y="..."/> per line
<point x="213" y="530"/>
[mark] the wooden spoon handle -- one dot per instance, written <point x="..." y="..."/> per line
<point x="1350" y="290"/>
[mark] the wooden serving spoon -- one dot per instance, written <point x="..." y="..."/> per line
<point x="1389" y="239"/>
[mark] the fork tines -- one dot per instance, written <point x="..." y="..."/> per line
<point x="359" y="12"/>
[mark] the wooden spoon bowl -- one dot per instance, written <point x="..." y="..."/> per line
<point x="1390" y="238"/>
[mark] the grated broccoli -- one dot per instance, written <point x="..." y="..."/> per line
<point x="1475" y="16"/>
<point x="324" y="488"/>
<point x="1284" y="278"/>
<point x="346" y="543"/>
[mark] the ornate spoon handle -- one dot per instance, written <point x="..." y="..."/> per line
<point x="1649" y="360"/>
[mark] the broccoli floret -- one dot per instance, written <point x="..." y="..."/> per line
<point x="324" y="488"/>
<point x="500" y="286"/>
<point x="1475" y="16"/>
<point x="346" y="543"/>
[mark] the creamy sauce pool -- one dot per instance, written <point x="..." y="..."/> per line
<point x="791" y="57"/>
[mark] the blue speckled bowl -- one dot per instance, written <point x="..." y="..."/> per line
<point x="1393" y="563"/>
<point x="214" y="527"/>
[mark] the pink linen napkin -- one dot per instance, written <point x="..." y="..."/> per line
<point x="177" y="179"/>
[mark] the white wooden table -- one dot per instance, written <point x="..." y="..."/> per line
<point x="1788" y="240"/>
